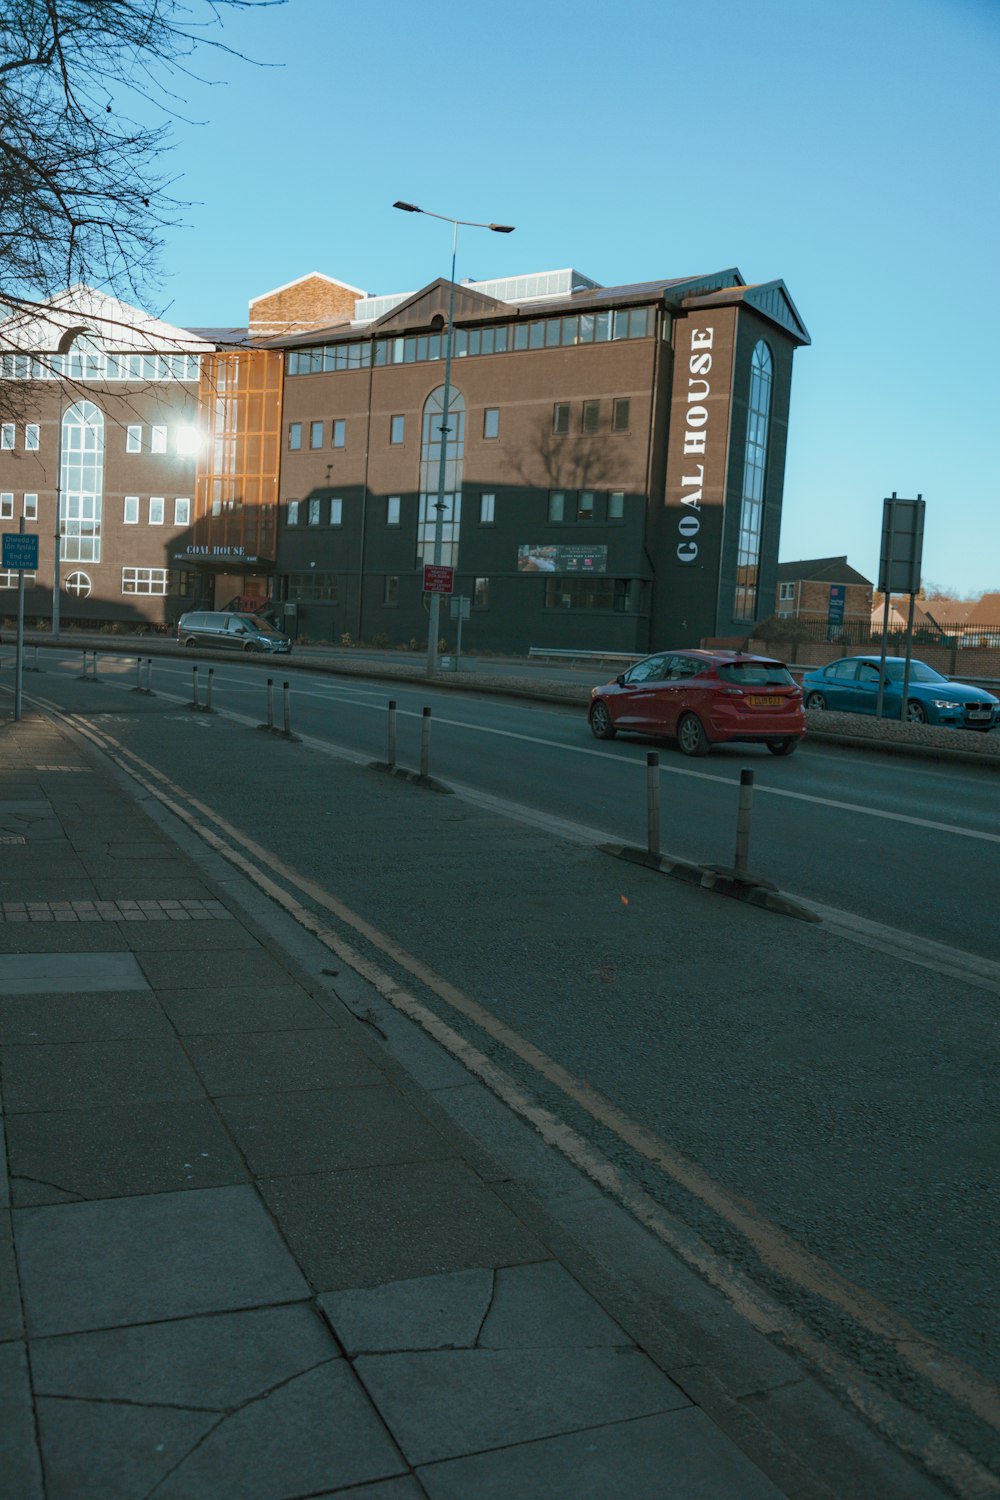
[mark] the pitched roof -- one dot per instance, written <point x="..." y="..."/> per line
<point x="985" y="611"/>
<point x="769" y="298"/>
<point x="121" y="328"/>
<point x="820" y="570"/>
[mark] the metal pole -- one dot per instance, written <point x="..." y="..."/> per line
<point x="434" y="627"/>
<point x="392" y="733"/>
<point x="138" y="674"/>
<point x="458" y="641"/>
<point x="653" y="803"/>
<point x="270" y="703"/>
<point x="287" y="707"/>
<point x="149" y="674"/>
<point x="906" y="664"/>
<point x="58" y="541"/>
<point x="743" y="816"/>
<point x="19" y="658"/>
<point x="208" y="689"/>
<point x="425" y="743"/>
<point x="194" y="687"/>
<point x="885" y="614"/>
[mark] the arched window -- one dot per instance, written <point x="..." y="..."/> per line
<point x="81" y="483"/>
<point x="430" y="469"/>
<point x="754" y="469"/>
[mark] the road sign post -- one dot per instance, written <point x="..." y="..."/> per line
<point x="460" y="608"/>
<point x="899" y="573"/>
<point x="19" y="551"/>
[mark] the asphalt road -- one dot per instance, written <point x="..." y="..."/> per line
<point x="841" y="1096"/>
<point x="910" y="843"/>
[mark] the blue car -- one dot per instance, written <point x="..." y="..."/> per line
<point x="851" y="685"/>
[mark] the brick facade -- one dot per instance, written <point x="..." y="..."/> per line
<point x="313" y="301"/>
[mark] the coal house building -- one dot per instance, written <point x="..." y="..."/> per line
<point x="614" y="464"/>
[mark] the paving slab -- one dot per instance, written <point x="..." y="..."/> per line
<point x="265" y="1061"/>
<point x="93" y="1450"/>
<point x="217" y="1362"/>
<point x="11" y="1323"/>
<point x="177" y="968"/>
<point x="314" y="1130"/>
<point x="315" y="1430"/>
<point x="370" y="1225"/>
<point x="78" y="1074"/>
<point x="131" y="1260"/>
<point x="541" y="1306"/>
<point x="446" y="1403"/>
<point x="68" y="973"/>
<point x="65" y="1017"/>
<point x="120" y="1150"/>
<point x="243" y="1008"/>
<point x="20" y="1466"/>
<point x="677" y="1455"/>
<point x="426" y="1312"/>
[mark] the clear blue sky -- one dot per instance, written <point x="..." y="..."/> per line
<point x="851" y="150"/>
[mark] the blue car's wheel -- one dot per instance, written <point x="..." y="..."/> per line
<point x="915" y="713"/>
<point x="815" y="700"/>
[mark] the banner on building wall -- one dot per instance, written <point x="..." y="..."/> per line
<point x="562" y="559"/>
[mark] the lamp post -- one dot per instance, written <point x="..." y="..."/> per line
<point x="57" y="540"/>
<point x="435" y="614"/>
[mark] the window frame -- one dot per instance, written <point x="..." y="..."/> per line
<point x="487" y="509"/>
<point x="32" y="514"/>
<point x="295" y="437"/>
<point x="618" y="405"/>
<point x="130" y="502"/>
<point x="32" y="432"/>
<point x="336" y="511"/>
<point x="160" y="501"/>
<point x="158" y="437"/>
<point x="133" y="437"/>
<point x="590" y="417"/>
<point x="317" y="430"/>
<point x="560" y="418"/>
<point x="180" y="520"/>
<point x="338" y="432"/>
<point x="314" y="512"/>
<point x="619" y="508"/>
<point x="390" y="590"/>
<point x="393" y="510"/>
<point x="556" y="514"/>
<point x="488" y="413"/>
<point x="394" y="441"/>
<point x="291" y="512"/>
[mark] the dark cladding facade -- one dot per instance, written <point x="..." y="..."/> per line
<point x="614" y="467"/>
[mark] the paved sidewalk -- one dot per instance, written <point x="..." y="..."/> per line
<point x="241" y="1259"/>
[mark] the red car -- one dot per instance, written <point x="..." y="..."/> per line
<point x="703" y="698"/>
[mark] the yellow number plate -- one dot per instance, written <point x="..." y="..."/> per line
<point x="772" y="702"/>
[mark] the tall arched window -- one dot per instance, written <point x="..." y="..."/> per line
<point x="754" y="468"/>
<point x="430" y="465"/>
<point x="81" y="483"/>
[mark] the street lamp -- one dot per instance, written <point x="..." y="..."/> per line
<point x="435" y="616"/>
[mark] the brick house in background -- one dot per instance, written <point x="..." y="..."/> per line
<point x="803" y="590"/>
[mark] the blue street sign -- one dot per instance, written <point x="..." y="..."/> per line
<point x="835" y="609"/>
<point x="19" y="550"/>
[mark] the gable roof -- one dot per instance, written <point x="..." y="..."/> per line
<point x="769" y="298"/>
<point x="432" y="301"/>
<point x="309" y="276"/>
<point x="119" y="327"/>
<point x="820" y="570"/>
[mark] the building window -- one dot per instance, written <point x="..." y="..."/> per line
<point x="591" y="415"/>
<point x="133" y="439"/>
<point x="491" y="422"/>
<point x="557" y="505"/>
<point x="293" y="512"/>
<point x="131" y="515"/>
<point x="430" y="475"/>
<point x="397" y="429"/>
<point x="81" y="483"/>
<point x="314" y="512"/>
<point x="481" y="594"/>
<point x="786" y="591"/>
<point x="144" y="580"/>
<point x="7" y="435"/>
<point x="158" y="440"/>
<point x="585" y="506"/>
<point x="589" y="593"/>
<point x="336" y="512"/>
<point x="31" y="437"/>
<point x="9" y="578"/>
<point x="316" y="434"/>
<point x="487" y="508"/>
<point x="339" y="433"/>
<point x="31" y="507"/>
<point x="620" y="414"/>
<point x="390" y="591"/>
<point x="321" y="587"/>
<point x="78" y="584"/>
<point x="754" y="467"/>
<point x="156" y="510"/>
<point x="392" y="510"/>
<point x="616" y="505"/>
<point x="7" y="505"/>
<point x="182" y="512"/>
<point x="560" y="417"/>
<point x="294" y="436"/>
